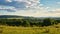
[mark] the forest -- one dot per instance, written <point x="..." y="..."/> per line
<point x="28" y="22"/>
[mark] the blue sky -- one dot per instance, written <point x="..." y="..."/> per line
<point x="35" y="8"/>
<point x="51" y="3"/>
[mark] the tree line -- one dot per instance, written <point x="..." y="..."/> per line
<point x="28" y="22"/>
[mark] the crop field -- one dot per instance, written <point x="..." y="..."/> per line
<point x="54" y="29"/>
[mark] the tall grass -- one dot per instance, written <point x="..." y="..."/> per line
<point x="30" y="30"/>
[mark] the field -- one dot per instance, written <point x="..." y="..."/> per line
<point x="29" y="26"/>
<point x="54" y="29"/>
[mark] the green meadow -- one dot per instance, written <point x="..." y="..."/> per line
<point x="54" y="29"/>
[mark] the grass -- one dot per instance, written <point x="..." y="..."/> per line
<point x="55" y="29"/>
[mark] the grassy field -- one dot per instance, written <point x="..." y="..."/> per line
<point x="55" y="29"/>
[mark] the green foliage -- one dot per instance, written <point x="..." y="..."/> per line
<point x="49" y="21"/>
<point x="25" y="23"/>
<point x="28" y="22"/>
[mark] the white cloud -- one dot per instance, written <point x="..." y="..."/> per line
<point x="34" y="13"/>
<point x="9" y="0"/>
<point x="55" y="10"/>
<point x="34" y="8"/>
<point x="29" y="3"/>
<point x="58" y="3"/>
<point x="6" y="7"/>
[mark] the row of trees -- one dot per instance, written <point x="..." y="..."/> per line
<point x="28" y="22"/>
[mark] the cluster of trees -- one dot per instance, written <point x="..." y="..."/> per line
<point x="29" y="22"/>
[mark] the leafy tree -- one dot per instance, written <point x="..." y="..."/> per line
<point x="49" y="21"/>
<point x="25" y="24"/>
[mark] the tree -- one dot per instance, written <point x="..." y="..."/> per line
<point x="49" y="21"/>
<point x="25" y="23"/>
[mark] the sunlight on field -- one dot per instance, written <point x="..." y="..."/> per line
<point x="30" y="30"/>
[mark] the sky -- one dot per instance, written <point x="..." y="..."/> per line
<point x="35" y="8"/>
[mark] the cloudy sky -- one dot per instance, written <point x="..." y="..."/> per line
<point x="35" y="8"/>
